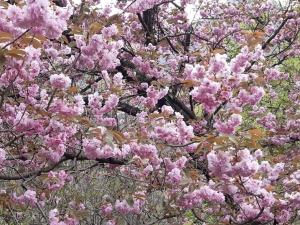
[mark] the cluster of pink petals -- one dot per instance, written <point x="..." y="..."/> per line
<point x="228" y="127"/>
<point x="60" y="81"/>
<point x="220" y="164"/>
<point x="57" y="180"/>
<point x="29" y="197"/>
<point x="124" y="208"/>
<point x="66" y="220"/>
<point x="40" y="16"/>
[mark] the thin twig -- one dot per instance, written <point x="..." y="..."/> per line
<point x="16" y="39"/>
<point x="183" y="145"/>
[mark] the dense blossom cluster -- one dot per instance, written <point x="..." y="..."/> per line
<point x="148" y="115"/>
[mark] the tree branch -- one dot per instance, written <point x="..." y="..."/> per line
<point x="276" y="32"/>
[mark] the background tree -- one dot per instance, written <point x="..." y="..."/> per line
<point x="149" y="116"/>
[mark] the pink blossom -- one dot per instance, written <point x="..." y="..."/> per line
<point x="209" y="194"/>
<point x="268" y="121"/>
<point x="180" y="163"/>
<point x="29" y="197"/>
<point x="122" y="206"/>
<point x="54" y="220"/>
<point x="117" y="79"/>
<point x="77" y="206"/>
<point x="185" y="133"/>
<point x="146" y="151"/>
<point x="125" y="208"/>
<point x="110" y="31"/>
<point x="106" y="209"/>
<point x="205" y="94"/>
<point x="229" y="127"/>
<point x="277" y="169"/>
<point x="219" y="163"/>
<point x="258" y="154"/>
<point x="111" y="222"/>
<point x="56" y="180"/>
<point x="239" y="63"/>
<point x="254" y="98"/>
<point x="218" y="63"/>
<point x="268" y="199"/>
<point x="253" y="186"/>
<point x="174" y="177"/>
<point x="248" y="165"/>
<point x="2" y="155"/>
<point x="111" y="102"/>
<point x="167" y="132"/>
<point x="153" y="95"/>
<point x="60" y="81"/>
<point x="142" y="117"/>
<point x="110" y="122"/>
<point x="92" y="148"/>
<point x="249" y="212"/>
<point x="283" y="216"/>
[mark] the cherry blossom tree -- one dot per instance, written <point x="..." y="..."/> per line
<point x="157" y="114"/>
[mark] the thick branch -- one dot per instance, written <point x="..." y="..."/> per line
<point x="168" y="40"/>
<point x="126" y="108"/>
<point x="24" y="175"/>
<point x="275" y="33"/>
<point x="178" y="106"/>
<point x="90" y="85"/>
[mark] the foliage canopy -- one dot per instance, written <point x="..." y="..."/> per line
<point x="151" y="115"/>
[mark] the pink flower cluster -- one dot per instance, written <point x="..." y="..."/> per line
<point x="275" y="74"/>
<point x="101" y="50"/>
<point x="179" y="164"/>
<point x="57" y="180"/>
<point x="106" y="209"/>
<point x="229" y="127"/>
<point x="40" y="16"/>
<point x="174" y="177"/>
<point x="240" y="62"/>
<point x="254" y="98"/>
<point x="268" y="121"/>
<point x="257" y="111"/>
<point x="66" y="220"/>
<point x="2" y="155"/>
<point x="76" y="206"/>
<point x="94" y="149"/>
<point x="29" y="197"/>
<point x="205" y="94"/>
<point x="68" y="108"/>
<point x="109" y="31"/>
<point x="206" y="193"/>
<point x="220" y="165"/>
<point x="166" y="132"/>
<point x="95" y="103"/>
<point x="153" y="95"/>
<point x="218" y="64"/>
<point x="185" y="133"/>
<point x="60" y="81"/>
<point x="125" y="208"/>
<point x="146" y="151"/>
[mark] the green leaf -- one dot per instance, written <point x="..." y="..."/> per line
<point x="130" y="202"/>
<point x="232" y="138"/>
